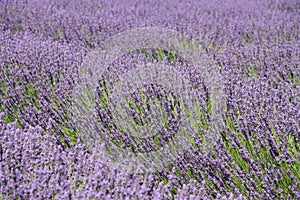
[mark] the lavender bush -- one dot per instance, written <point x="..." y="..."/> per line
<point x="255" y="45"/>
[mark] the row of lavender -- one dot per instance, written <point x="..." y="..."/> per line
<point x="256" y="45"/>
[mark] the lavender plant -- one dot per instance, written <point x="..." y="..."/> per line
<point x="256" y="47"/>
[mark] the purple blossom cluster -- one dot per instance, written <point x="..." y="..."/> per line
<point x="31" y="93"/>
<point x="34" y="166"/>
<point x="255" y="45"/>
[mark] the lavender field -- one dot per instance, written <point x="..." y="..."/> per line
<point x="157" y="99"/>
